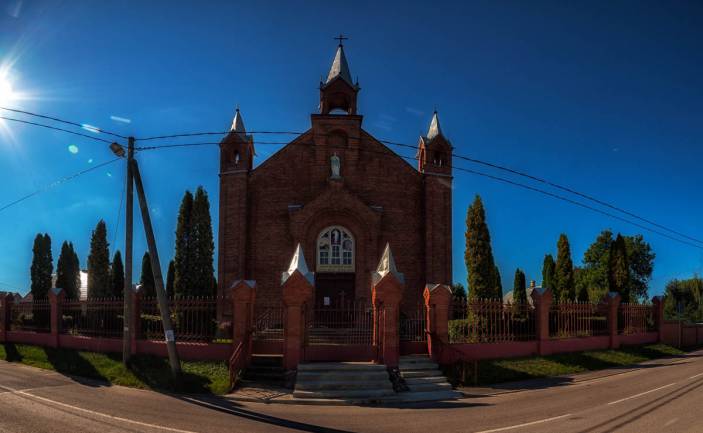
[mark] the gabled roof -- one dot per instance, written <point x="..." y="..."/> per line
<point x="299" y="264"/>
<point x="387" y="266"/>
<point x="340" y="67"/>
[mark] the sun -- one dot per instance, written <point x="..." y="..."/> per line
<point x="6" y="92"/>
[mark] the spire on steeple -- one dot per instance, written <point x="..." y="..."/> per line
<point x="435" y="129"/>
<point x="340" y="67"/>
<point x="238" y="123"/>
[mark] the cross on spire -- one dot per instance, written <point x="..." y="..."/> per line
<point x="341" y="38"/>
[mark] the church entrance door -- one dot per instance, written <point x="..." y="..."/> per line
<point x="333" y="289"/>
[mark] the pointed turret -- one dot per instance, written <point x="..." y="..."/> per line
<point x="237" y="148"/>
<point x="238" y="123"/>
<point x="298" y="264"/>
<point x="434" y="152"/>
<point x="340" y="67"/>
<point x="387" y="266"/>
<point x="434" y="129"/>
<point x="338" y="91"/>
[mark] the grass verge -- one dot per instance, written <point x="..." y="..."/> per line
<point x="510" y="370"/>
<point x="149" y="372"/>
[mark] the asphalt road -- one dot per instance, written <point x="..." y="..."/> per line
<point x="660" y="396"/>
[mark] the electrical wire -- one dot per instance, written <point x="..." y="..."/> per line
<point x="489" y="176"/>
<point x="55" y="128"/>
<point x="57" y="183"/>
<point x="56" y="119"/>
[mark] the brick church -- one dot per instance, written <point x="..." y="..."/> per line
<point x="342" y="195"/>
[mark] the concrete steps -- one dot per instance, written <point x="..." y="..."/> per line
<point x="348" y="381"/>
<point x="424" y="379"/>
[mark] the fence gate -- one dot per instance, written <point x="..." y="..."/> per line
<point x="339" y="332"/>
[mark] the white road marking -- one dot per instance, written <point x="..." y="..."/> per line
<point x="92" y="412"/>
<point x="641" y="394"/>
<point x="696" y="375"/>
<point x="527" y="424"/>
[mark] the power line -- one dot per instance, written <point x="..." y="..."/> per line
<point x="489" y="176"/>
<point x="195" y="134"/>
<point x="57" y="183"/>
<point x="55" y="128"/>
<point x="476" y="161"/>
<point x="56" y="119"/>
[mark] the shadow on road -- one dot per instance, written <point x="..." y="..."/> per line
<point x="72" y="365"/>
<point x="11" y="353"/>
<point x="228" y="407"/>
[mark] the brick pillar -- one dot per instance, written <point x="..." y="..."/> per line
<point x="136" y="320"/>
<point x="297" y="290"/>
<point x="658" y="305"/>
<point x="5" y="315"/>
<point x="387" y="293"/>
<point x="542" y="300"/>
<point x="56" y="297"/>
<point x="243" y="298"/>
<point x="438" y="297"/>
<point x="613" y="302"/>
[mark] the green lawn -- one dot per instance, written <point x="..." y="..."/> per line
<point x="508" y="370"/>
<point x="145" y="371"/>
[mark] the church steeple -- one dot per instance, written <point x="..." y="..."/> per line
<point x="338" y="91"/>
<point x="434" y="152"/>
<point x="237" y="148"/>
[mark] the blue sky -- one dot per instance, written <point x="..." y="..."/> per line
<point x="603" y="97"/>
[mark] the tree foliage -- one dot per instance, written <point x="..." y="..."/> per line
<point x="596" y="266"/>
<point x="684" y="299"/>
<point x="618" y="269"/>
<point x="564" y="272"/>
<point x="68" y="275"/>
<point x="193" y="262"/>
<point x="519" y="288"/>
<point x="480" y="266"/>
<point x="146" y="280"/>
<point x="117" y="275"/>
<point x="170" y="275"/>
<point x="498" y="285"/>
<point x="548" y="267"/>
<point x="99" y="263"/>
<point x="42" y="266"/>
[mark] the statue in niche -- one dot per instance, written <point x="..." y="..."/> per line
<point x="335" y="165"/>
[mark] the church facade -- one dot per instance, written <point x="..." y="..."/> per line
<point x="342" y="195"/>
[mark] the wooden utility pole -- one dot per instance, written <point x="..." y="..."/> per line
<point x="158" y="277"/>
<point x="127" y="293"/>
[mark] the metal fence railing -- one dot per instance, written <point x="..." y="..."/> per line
<point x="344" y="323"/>
<point x="577" y="319"/>
<point x="412" y="324"/>
<point x="32" y="316"/>
<point x="194" y="319"/>
<point x="490" y="321"/>
<point x="94" y="317"/>
<point x="635" y="319"/>
<point x="269" y="320"/>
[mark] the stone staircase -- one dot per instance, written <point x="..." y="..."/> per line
<point x="266" y="369"/>
<point x="357" y="382"/>
<point x="424" y="380"/>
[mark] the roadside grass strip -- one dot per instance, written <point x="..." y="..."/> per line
<point x="147" y="372"/>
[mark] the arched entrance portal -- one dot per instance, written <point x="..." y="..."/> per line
<point x="334" y="282"/>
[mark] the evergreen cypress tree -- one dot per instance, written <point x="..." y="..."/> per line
<point x="519" y="288"/>
<point x="618" y="269"/>
<point x="203" y="245"/>
<point x="183" y="261"/>
<point x="498" y="284"/>
<point x="564" y="272"/>
<point x="42" y="266"/>
<point x="147" y="277"/>
<point x="76" y="271"/>
<point x="117" y="276"/>
<point x="170" y="274"/>
<point x="66" y="271"/>
<point x="99" y="263"/>
<point x="548" y="267"/>
<point x="479" y="255"/>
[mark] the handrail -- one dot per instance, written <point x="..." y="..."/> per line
<point x="238" y="358"/>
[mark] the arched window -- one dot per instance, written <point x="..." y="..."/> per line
<point x="335" y="250"/>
